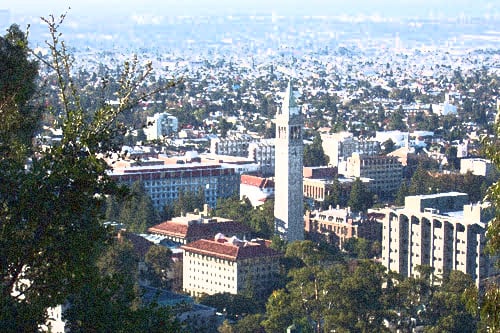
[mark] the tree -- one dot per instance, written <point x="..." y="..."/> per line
<point x="137" y="211"/>
<point x="403" y="192"/>
<point x="360" y="199"/>
<point x="329" y="298"/>
<point x="20" y="116"/>
<point x="188" y="202"/>
<point x="447" y="308"/>
<point x="250" y="324"/>
<point x="51" y="234"/>
<point x="233" y="305"/>
<point x="157" y="262"/>
<point x="419" y="181"/>
<point x="314" y="154"/>
<point x="490" y="304"/>
<point x="388" y="146"/>
<point x="396" y="120"/>
<point x="110" y="301"/>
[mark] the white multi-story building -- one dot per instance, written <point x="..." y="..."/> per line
<point x="478" y="167"/>
<point x="440" y="230"/>
<point x="228" y="265"/>
<point x="160" y="125"/>
<point x="231" y="147"/>
<point x="289" y="150"/>
<point x="263" y="153"/>
<point x="340" y="146"/>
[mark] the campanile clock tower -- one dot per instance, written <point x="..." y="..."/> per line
<point x="289" y="149"/>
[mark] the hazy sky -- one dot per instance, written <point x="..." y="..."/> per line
<point x="284" y="7"/>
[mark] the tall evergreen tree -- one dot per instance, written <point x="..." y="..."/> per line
<point x="360" y="199"/>
<point x="403" y="192"/>
<point x="314" y="154"/>
<point x="137" y="211"/>
<point x="419" y="181"/>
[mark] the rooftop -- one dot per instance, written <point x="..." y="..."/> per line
<point x="231" y="249"/>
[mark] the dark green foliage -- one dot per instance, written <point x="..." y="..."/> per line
<point x="322" y="299"/>
<point x="361" y="248"/>
<point x="250" y="324"/>
<point x="490" y="303"/>
<point x="232" y="305"/>
<point x="360" y="198"/>
<point x="402" y="193"/>
<point x="419" y="181"/>
<point x="188" y="202"/>
<point x="158" y="261"/>
<point x="260" y="219"/>
<point x="388" y="146"/>
<point x="314" y="154"/>
<point x="396" y="120"/>
<point x="110" y="301"/>
<point x="19" y="116"/>
<point x="335" y="196"/>
<point x="137" y="211"/>
<point x="51" y="234"/>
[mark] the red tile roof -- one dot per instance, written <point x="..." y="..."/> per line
<point x="197" y="231"/>
<point x="256" y="181"/>
<point x="229" y="251"/>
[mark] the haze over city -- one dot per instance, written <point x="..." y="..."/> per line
<point x="250" y="166"/>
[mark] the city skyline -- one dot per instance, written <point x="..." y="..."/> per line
<point x="382" y="8"/>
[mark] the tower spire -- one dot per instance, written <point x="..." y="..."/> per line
<point x="289" y="150"/>
<point x="289" y="100"/>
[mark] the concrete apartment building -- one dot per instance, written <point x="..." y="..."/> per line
<point x="478" y="167"/>
<point x="263" y="153"/>
<point x="259" y="151"/>
<point x="337" y="225"/>
<point x="223" y="264"/>
<point x="160" y="125"/>
<point x="163" y="180"/>
<point x="440" y="230"/>
<point x="385" y="172"/>
<point x="340" y="146"/>
<point x="231" y="147"/>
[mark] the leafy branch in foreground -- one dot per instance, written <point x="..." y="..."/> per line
<point x="50" y="208"/>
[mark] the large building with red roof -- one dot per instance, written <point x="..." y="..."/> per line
<point x="194" y="226"/>
<point x="223" y="264"/>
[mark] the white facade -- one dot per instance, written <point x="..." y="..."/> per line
<point x="263" y="153"/>
<point x="228" y="265"/>
<point x="160" y="125"/>
<point x="399" y="138"/>
<point x="339" y="147"/>
<point x="289" y="150"/>
<point x="431" y="230"/>
<point x="478" y="166"/>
